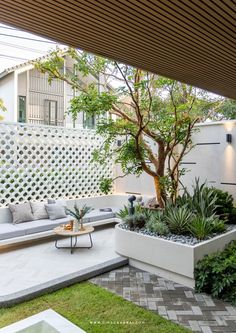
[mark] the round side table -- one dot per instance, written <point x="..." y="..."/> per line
<point x="73" y="234"/>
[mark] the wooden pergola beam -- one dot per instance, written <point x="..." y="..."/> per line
<point x="193" y="41"/>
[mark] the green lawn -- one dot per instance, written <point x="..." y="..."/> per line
<point x="86" y="304"/>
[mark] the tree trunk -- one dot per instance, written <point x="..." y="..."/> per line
<point x="158" y="192"/>
<point x="161" y="172"/>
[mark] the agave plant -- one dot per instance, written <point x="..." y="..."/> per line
<point x="202" y="202"/>
<point x="178" y="219"/>
<point x="138" y="209"/>
<point x="123" y="212"/>
<point x="79" y="213"/>
<point x="201" y="226"/>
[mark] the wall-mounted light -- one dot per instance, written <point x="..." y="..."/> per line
<point x="228" y="138"/>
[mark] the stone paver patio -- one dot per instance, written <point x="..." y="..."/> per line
<point x="198" y="312"/>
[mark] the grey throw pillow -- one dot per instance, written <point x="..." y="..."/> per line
<point x="51" y="201"/>
<point x="55" y="211"/>
<point x="60" y="202"/>
<point x="21" y="213"/>
<point x="39" y="211"/>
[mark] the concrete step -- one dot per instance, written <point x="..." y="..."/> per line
<point x="64" y="281"/>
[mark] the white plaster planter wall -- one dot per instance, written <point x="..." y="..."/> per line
<point x="169" y="259"/>
<point x="47" y="321"/>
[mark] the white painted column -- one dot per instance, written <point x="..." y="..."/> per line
<point x="15" y="98"/>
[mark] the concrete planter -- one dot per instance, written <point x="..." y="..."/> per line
<point x="169" y="259"/>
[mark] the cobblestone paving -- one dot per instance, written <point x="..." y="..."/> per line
<point x="198" y="312"/>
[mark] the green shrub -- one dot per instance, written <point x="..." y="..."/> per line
<point x="202" y="202"/>
<point x="129" y="220"/>
<point x="105" y="185"/>
<point x="158" y="227"/>
<point x="205" y="204"/>
<point x="218" y="226"/>
<point x="216" y="274"/>
<point x="224" y="201"/>
<point x="178" y="219"/>
<point x="139" y="220"/>
<point x="232" y="216"/>
<point x="136" y="220"/>
<point x="201" y="227"/>
<point x="156" y="224"/>
<point x="123" y="212"/>
<point x="138" y="208"/>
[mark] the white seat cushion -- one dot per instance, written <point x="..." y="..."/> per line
<point x="8" y="230"/>
<point x="41" y="225"/>
<point x="97" y="215"/>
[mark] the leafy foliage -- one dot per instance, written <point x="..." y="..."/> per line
<point x="123" y="212"/>
<point x="178" y="219"/>
<point x="232" y="216"/>
<point x="224" y="203"/>
<point x="191" y="215"/>
<point x="216" y="274"/>
<point x="137" y="220"/>
<point x="201" y="227"/>
<point x="79" y="213"/>
<point x="156" y="224"/>
<point x="202" y="202"/>
<point x="218" y="226"/>
<point x="105" y="185"/>
<point x="227" y="110"/>
<point x="146" y="112"/>
<point x="129" y="220"/>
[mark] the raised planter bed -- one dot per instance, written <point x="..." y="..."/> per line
<point x="171" y="260"/>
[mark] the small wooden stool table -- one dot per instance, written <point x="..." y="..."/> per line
<point x="69" y="233"/>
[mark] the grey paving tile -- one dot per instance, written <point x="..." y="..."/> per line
<point x="198" y="312"/>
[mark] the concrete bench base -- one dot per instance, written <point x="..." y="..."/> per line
<point x="12" y="242"/>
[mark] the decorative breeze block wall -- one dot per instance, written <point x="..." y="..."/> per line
<point x="39" y="162"/>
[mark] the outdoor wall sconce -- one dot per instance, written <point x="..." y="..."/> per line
<point x="228" y="138"/>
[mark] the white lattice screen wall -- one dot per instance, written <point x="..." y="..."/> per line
<point x="40" y="162"/>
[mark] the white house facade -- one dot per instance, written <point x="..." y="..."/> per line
<point x="29" y="98"/>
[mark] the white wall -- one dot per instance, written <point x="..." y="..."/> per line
<point x="22" y="84"/>
<point x="7" y="94"/>
<point x="68" y="117"/>
<point x="143" y="184"/>
<point x="132" y="184"/>
<point x="212" y="160"/>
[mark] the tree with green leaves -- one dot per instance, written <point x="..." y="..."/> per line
<point x="152" y="117"/>
<point x="226" y="110"/>
<point x="220" y="108"/>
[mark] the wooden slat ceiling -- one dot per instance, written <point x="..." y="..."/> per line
<point x="193" y="41"/>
